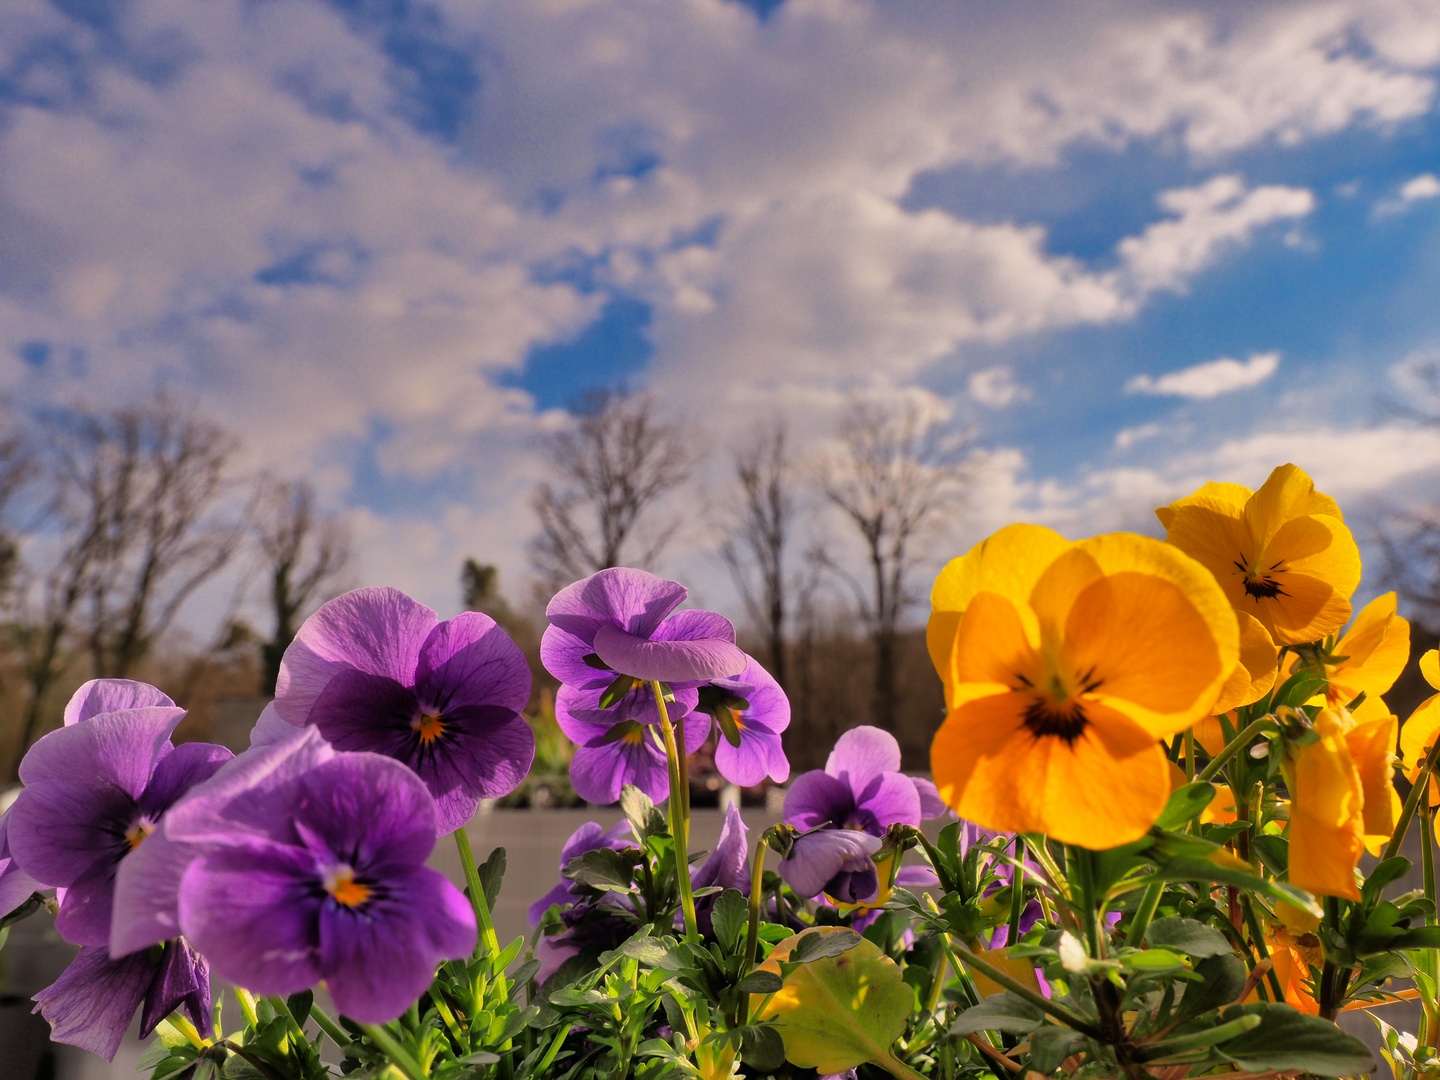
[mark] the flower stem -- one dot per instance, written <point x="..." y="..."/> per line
<point x="752" y="930"/>
<point x="477" y="892"/>
<point x="1017" y="892"/>
<point x="399" y="1056"/>
<point x="338" y="1035"/>
<point x="183" y="1025"/>
<point x="1135" y="936"/>
<point x="247" y="1006"/>
<point x="1228" y="751"/>
<point x="1422" y="786"/>
<point x="1040" y="1001"/>
<point x="1427" y="853"/>
<point x="679" y="821"/>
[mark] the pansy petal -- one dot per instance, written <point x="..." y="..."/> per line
<point x="271" y="728"/>
<point x="253" y="913"/>
<point x="180" y="770"/>
<point x="93" y="1001"/>
<point x="728" y="866"/>
<point x="84" y="915"/>
<point x="378" y="958"/>
<point x="183" y="982"/>
<point x="678" y="661"/>
<point x="818" y="856"/>
<point x="760" y="754"/>
<point x="599" y="772"/>
<point x="147" y="894"/>
<point x="638" y="704"/>
<point x="367" y="808"/>
<point x="563" y="655"/>
<point x="16" y="886"/>
<point x="931" y="805"/>
<point x="484" y="753"/>
<point x="58" y="830"/>
<point x="361" y="711"/>
<point x="628" y="599"/>
<point x="120" y="748"/>
<point x="861" y="754"/>
<point x="817" y="798"/>
<point x="888" y="799"/>
<point x="379" y="631"/>
<point x="111" y="695"/>
<point x="469" y="660"/>
<point x="1376" y="648"/>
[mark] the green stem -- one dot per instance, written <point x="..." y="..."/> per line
<point x="895" y="1067"/>
<point x="282" y="1009"/>
<point x="1181" y="1044"/>
<point x="1040" y="1001"/>
<point x="247" y="1006"/>
<point x="679" y="826"/>
<point x="1257" y="936"/>
<point x="752" y="931"/>
<point x="1084" y="863"/>
<point x="1427" y="854"/>
<point x="1017" y="892"/>
<point x="1422" y="787"/>
<point x="1135" y="937"/>
<point x="183" y="1025"/>
<point x="1190" y="754"/>
<point x="1228" y="751"/>
<point x="338" y="1035"/>
<point x="554" y="1049"/>
<point x="399" y="1056"/>
<point x="478" y="899"/>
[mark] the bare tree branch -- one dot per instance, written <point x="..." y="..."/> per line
<point x="612" y="468"/>
<point x="898" y="481"/>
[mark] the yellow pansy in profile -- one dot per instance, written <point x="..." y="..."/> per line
<point x="1063" y="675"/>
<point x="1342" y="796"/>
<point x="1369" y="656"/>
<point x="1282" y="554"/>
<point x="1255" y="674"/>
<point x="1417" y="735"/>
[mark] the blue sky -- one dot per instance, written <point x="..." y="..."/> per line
<point x="391" y="242"/>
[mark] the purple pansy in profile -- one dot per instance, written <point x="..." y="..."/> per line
<point x="590" y="926"/>
<point x="588" y="837"/>
<point x="836" y="862"/>
<point x="861" y="788"/>
<point x="312" y="867"/>
<point x="727" y="867"/>
<point x="608" y="755"/>
<point x="16" y="886"/>
<point x="375" y="670"/>
<point x="95" y="790"/>
<point x="95" y="998"/>
<point x="750" y="712"/>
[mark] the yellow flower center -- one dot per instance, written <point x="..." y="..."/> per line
<point x="138" y="832"/>
<point x="429" y="727"/>
<point x="1056" y="710"/>
<point x="340" y="883"/>
<point x="635" y="736"/>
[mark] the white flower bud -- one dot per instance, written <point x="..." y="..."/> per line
<point x="1072" y="953"/>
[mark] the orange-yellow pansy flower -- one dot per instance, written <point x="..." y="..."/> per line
<point x="1294" y="949"/>
<point x="1255" y="674"/>
<point x="1370" y="655"/>
<point x="1417" y="735"/>
<point x="1342" y="797"/>
<point x="1063" y="677"/>
<point x="1282" y="554"/>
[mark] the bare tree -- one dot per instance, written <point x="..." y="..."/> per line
<point x="895" y="479"/>
<point x="612" y="468"/>
<point x="305" y="552"/>
<point x="755" y="552"/>
<point x="135" y="498"/>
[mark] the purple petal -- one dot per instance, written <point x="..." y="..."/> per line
<point x="729" y="864"/>
<point x="58" y="831"/>
<point x="379" y="957"/>
<point x="469" y="660"/>
<point x="147" y="894"/>
<point x="583" y="706"/>
<point x="183" y="981"/>
<point x="769" y="707"/>
<point x="560" y="894"/>
<point x="485" y="753"/>
<point x="180" y="770"/>
<point x="251" y="797"/>
<point x="84" y="915"/>
<point x="916" y="877"/>
<point x="886" y="799"/>
<point x="367" y="810"/>
<point x="379" y="631"/>
<point x="94" y="1000"/>
<point x="111" y="695"/>
<point x="816" y="798"/>
<point x="271" y="728"/>
<point x="590" y="837"/>
<point x="819" y="856"/>
<point x="861" y="754"/>
<point x="118" y="748"/>
<point x="361" y="711"/>
<point x="599" y="772"/>
<point x="254" y="914"/>
<point x="693" y="646"/>
<point x="563" y="656"/>
<point x="630" y="600"/>
<point x="760" y="754"/>
<point x="931" y="805"/>
<point x="16" y="886"/>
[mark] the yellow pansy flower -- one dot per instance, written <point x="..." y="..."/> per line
<point x="1255" y="674"/>
<point x="1282" y="554"/>
<point x="1062" y="677"/>
<point x="1369" y="656"/>
<point x="1342" y="797"/>
<point x="1417" y="735"/>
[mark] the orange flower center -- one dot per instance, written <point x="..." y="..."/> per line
<point x="138" y="832"/>
<point x="340" y="883"/>
<point x="635" y="736"/>
<point x="429" y="727"/>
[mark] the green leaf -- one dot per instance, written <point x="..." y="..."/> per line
<point x="1223" y="980"/>
<point x="1152" y="960"/>
<point x="492" y="870"/>
<point x="1419" y="937"/>
<point x="1185" y="805"/>
<point x="1187" y="936"/>
<point x="601" y="869"/>
<point x="618" y="688"/>
<point x="838" y="1012"/>
<point x="728" y="917"/>
<point x="1386" y="871"/>
<point x="1273" y="852"/>
<point x="1189" y="868"/>
<point x="1289" y="1040"/>
<point x="762" y="1048"/>
<point x="1051" y="1045"/>
<point x="821" y="946"/>
<point x="999" y="1012"/>
<point x="760" y="982"/>
<point x="300" y="1004"/>
<point x="645" y="818"/>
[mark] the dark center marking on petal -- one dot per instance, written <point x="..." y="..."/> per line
<point x="1062" y="720"/>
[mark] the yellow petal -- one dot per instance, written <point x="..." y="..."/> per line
<point x="1430" y="668"/>
<point x="1417" y="736"/>
<point x="991" y="649"/>
<point x="1222" y="497"/>
<point x="1326" y="820"/>
<point x="1287" y="493"/>
<point x="1007" y="563"/>
<point x="1376" y="649"/>
<point x="1255" y="674"/>
<point x="1371" y="743"/>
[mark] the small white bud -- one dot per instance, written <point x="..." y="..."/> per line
<point x="1072" y="953"/>
<point x="1260" y="751"/>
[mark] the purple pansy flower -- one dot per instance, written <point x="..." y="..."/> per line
<point x="833" y="861"/>
<point x="589" y="837"/>
<point x="727" y="867"/>
<point x="375" y="670"/>
<point x="608" y="755"/>
<point x="16" y="886"/>
<point x="750" y="711"/>
<point x="313" y="867"/>
<point x="861" y="788"/>
<point x="95" y="790"/>
<point x="95" y="998"/>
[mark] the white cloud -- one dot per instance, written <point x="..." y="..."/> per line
<point x="1210" y="379"/>
<point x="996" y="387"/>
<point x="1424" y="186"/>
<point x="1125" y="438"/>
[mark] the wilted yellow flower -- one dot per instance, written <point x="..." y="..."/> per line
<point x="1417" y="735"/>
<point x="1342" y="797"/>
<point x="1061" y="678"/>
<point x="1294" y="949"/>
<point x="1282" y="554"/>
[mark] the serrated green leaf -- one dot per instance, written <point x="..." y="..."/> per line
<point x="1187" y="936"/>
<point x="999" y="1012"/>
<point x="602" y="868"/>
<point x="760" y="982"/>
<point x="763" y="1048"/>
<point x="1050" y="1045"/>
<point x="810" y="947"/>
<point x="728" y="918"/>
<point x="1291" y="1040"/>
<point x="492" y="871"/>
